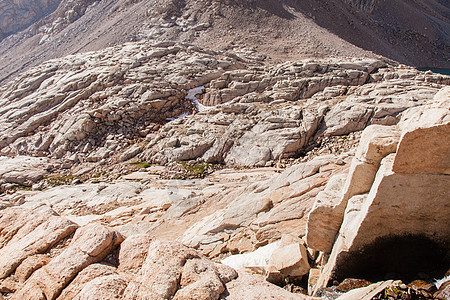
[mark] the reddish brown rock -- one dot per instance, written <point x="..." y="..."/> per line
<point x="30" y="239"/>
<point x="133" y="252"/>
<point x="90" y="244"/>
<point x="85" y="276"/>
<point x="174" y="270"/>
<point x="29" y="265"/>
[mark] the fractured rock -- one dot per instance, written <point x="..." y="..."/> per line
<point x="323" y="219"/>
<point x="29" y="265"/>
<point x="326" y="216"/>
<point x="133" y="252"/>
<point x="90" y="244"/>
<point x="35" y="241"/>
<point x="291" y="260"/>
<point x="252" y="287"/>
<point x="90" y="273"/>
<point x="23" y="170"/>
<point x="403" y="203"/>
<point x="104" y="287"/>
<point x="173" y="270"/>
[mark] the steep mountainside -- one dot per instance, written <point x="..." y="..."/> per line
<point x="18" y="15"/>
<point x="412" y="32"/>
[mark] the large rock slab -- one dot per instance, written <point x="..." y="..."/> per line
<point x="84" y="199"/>
<point x="258" y="258"/>
<point x="23" y="170"/>
<point x="405" y="204"/>
<point x="291" y="260"/>
<point x="423" y="151"/>
<point x="263" y="211"/>
<point x="397" y="204"/>
<point x="326" y="216"/>
<point x="402" y="200"/>
<point x="133" y="252"/>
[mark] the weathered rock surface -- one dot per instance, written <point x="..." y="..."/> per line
<point x="86" y="199"/>
<point x="172" y="270"/>
<point x="170" y="209"/>
<point x="133" y="252"/>
<point x="128" y="91"/>
<point x="405" y="199"/>
<point x="249" y="208"/>
<point x="109" y="105"/>
<point x="306" y="29"/>
<point x="95" y="281"/>
<point x="90" y="244"/>
<point x="327" y="213"/>
<point x="262" y="210"/>
<point x="100" y="231"/>
<point x="22" y="170"/>
<point x="30" y="234"/>
<point x="90" y="265"/>
<point x="249" y="132"/>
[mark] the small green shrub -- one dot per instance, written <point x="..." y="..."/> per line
<point x="196" y="170"/>
<point x="141" y="164"/>
<point x="59" y="179"/>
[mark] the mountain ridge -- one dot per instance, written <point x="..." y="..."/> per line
<point x="280" y="30"/>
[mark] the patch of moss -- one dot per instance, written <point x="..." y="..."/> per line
<point x="196" y="170"/>
<point x="141" y="164"/>
<point x="22" y="187"/>
<point x="59" y="179"/>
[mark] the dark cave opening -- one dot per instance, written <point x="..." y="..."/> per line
<point x="406" y="258"/>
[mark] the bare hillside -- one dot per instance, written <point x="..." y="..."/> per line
<point x="412" y="32"/>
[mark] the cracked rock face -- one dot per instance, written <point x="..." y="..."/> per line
<point x="278" y="112"/>
<point x="96" y="101"/>
<point x="91" y="107"/>
<point x="96" y="262"/>
<point x="393" y="182"/>
<point x="88" y="209"/>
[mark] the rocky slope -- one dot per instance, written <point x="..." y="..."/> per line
<point x="63" y="242"/>
<point x="18" y="15"/>
<point x="142" y="141"/>
<point x="414" y="33"/>
<point x="90" y="107"/>
<point x="399" y="175"/>
<point x="295" y="167"/>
